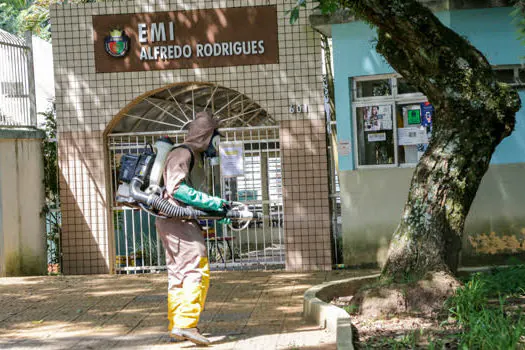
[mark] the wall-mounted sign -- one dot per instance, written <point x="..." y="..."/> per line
<point x="186" y="39"/>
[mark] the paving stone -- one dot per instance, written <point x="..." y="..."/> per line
<point x="245" y="310"/>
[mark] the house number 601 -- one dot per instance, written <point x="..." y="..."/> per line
<point x="298" y="108"/>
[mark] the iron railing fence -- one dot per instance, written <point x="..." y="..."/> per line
<point x="53" y="232"/>
<point x="17" y="86"/>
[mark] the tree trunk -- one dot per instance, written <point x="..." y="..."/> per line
<point x="443" y="187"/>
<point x="473" y="113"/>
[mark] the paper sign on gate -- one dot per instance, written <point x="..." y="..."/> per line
<point x="231" y="159"/>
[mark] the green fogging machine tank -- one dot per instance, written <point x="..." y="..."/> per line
<point x="141" y="187"/>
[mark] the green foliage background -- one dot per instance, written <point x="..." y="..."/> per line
<point x="51" y="187"/>
<point x="19" y="16"/>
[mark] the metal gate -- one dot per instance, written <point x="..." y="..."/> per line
<point x="17" y="81"/>
<point x="259" y="246"/>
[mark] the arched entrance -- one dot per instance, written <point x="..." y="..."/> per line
<point x="168" y="111"/>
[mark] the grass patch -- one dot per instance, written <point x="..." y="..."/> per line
<point x="486" y="313"/>
<point x="493" y="329"/>
<point x="482" y="310"/>
<point x="405" y="341"/>
<point x="351" y="309"/>
<point x="505" y="281"/>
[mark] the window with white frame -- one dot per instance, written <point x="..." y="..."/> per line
<point x="392" y="121"/>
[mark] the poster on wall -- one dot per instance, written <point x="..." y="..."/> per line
<point x="414" y="116"/>
<point x="427" y="110"/>
<point x="231" y="159"/>
<point x="378" y="118"/>
<point x="427" y="114"/>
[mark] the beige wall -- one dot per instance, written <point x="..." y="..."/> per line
<point x="371" y="205"/>
<point x="372" y="202"/>
<point x="495" y="226"/>
<point x="22" y="230"/>
<point x="87" y="102"/>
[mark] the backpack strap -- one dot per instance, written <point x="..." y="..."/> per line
<point x="192" y="161"/>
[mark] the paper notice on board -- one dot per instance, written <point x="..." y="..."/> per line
<point x="411" y="136"/>
<point x="343" y="147"/>
<point x="231" y="159"/>
<point x="385" y="117"/>
<point x="377" y="137"/>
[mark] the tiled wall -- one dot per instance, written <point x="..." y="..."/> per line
<point x="85" y="244"/>
<point x="305" y="189"/>
<point x="87" y="102"/>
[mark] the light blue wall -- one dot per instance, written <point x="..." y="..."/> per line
<point x="512" y="149"/>
<point x="490" y="30"/>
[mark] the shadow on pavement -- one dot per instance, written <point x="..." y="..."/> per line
<point x="244" y="310"/>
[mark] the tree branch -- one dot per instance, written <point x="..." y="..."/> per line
<point x="452" y="73"/>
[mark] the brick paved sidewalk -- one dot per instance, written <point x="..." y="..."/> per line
<point x="244" y="310"/>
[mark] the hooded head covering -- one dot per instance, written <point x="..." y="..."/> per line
<point x="200" y="132"/>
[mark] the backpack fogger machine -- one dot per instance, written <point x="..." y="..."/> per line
<point x="141" y="186"/>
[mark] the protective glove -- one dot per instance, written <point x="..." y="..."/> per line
<point x="197" y="199"/>
<point x="224" y="221"/>
<point x="227" y="206"/>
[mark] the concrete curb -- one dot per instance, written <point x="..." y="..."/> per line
<point x="331" y="317"/>
<point x="336" y="320"/>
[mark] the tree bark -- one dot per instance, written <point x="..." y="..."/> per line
<point x="473" y="114"/>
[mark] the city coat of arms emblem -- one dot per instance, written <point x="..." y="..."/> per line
<point x="117" y="43"/>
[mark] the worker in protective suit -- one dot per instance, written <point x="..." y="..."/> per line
<point x="186" y="253"/>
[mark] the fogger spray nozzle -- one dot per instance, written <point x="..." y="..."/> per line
<point x="150" y="201"/>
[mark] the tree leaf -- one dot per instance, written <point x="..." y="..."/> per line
<point x="294" y="15"/>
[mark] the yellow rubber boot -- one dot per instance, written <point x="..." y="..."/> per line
<point x="194" y="296"/>
<point x="205" y="270"/>
<point x="175" y="297"/>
